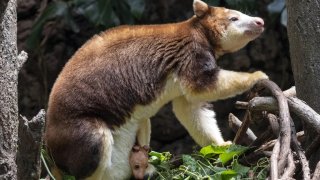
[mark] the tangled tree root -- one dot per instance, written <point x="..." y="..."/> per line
<point x="281" y="135"/>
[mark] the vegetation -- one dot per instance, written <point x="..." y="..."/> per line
<point x="210" y="163"/>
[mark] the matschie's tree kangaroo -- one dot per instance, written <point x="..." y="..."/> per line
<point x="102" y="100"/>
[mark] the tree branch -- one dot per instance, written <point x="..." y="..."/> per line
<point x="298" y="107"/>
<point x="290" y="169"/>
<point x="29" y="146"/>
<point x="302" y="157"/>
<point x="274" y="160"/>
<point x="235" y="124"/>
<point x="316" y="174"/>
<point x="284" y="116"/>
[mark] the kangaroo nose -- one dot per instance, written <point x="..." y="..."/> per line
<point x="259" y="22"/>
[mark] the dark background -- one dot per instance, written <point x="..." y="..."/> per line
<point x="51" y="31"/>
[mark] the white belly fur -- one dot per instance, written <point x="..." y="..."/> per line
<point x="124" y="138"/>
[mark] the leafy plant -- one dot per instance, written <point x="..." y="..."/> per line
<point x="211" y="163"/>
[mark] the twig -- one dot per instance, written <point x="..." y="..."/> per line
<point x="290" y="169"/>
<point x="313" y="146"/>
<point x="266" y="146"/>
<point x="259" y="104"/>
<point x="269" y="145"/>
<point x="291" y="92"/>
<point x="235" y="124"/>
<point x="274" y="160"/>
<point x="299" y="151"/>
<point x="242" y="105"/>
<point x="46" y="166"/>
<point x="316" y="174"/>
<point x="243" y="128"/>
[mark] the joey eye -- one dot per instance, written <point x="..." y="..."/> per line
<point x="136" y="166"/>
<point x="234" y="19"/>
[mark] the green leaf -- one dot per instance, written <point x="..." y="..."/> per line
<point x="240" y="169"/>
<point x="213" y="149"/>
<point x="233" y="150"/>
<point x="228" y="174"/>
<point x="157" y="158"/>
<point x="225" y="175"/>
<point x="190" y="162"/>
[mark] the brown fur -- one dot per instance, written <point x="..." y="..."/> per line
<point x="119" y="69"/>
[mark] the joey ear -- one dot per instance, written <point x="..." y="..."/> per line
<point x="200" y="8"/>
<point x="136" y="148"/>
<point x="146" y="148"/>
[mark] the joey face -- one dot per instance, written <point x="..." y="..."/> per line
<point x="229" y="29"/>
<point x="139" y="161"/>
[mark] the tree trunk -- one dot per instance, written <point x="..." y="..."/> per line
<point x="304" y="38"/>
<point x="29" y="146"/>
<point x="10" y="64"/>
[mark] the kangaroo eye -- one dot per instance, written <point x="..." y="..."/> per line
<point x="136" y="166"/>
<point x="234" y="19"/>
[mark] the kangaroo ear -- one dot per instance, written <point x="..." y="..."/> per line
<point x="200" y="8"/>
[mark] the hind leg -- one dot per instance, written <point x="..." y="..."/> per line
<point x="105" y="159"/>
<point x="80" y="147"/>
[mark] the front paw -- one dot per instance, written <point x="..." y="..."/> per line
<point x="259" y="75"/>
<point x="225" y="143"/>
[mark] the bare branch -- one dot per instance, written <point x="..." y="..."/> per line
<point x="274" y="160"/>
<point x="269" y="145"/>
<point x="316" y="174"/>
<point x="284" y="115"/>
<point x="305" y="112"/>
<point x="235" y="124"/>
<point x="302" y="157"/>
<point x="290" y="92"/>
<point x="298" y="107"/>
<point x="243" y="128"/>
<point x="288" y="173"/>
